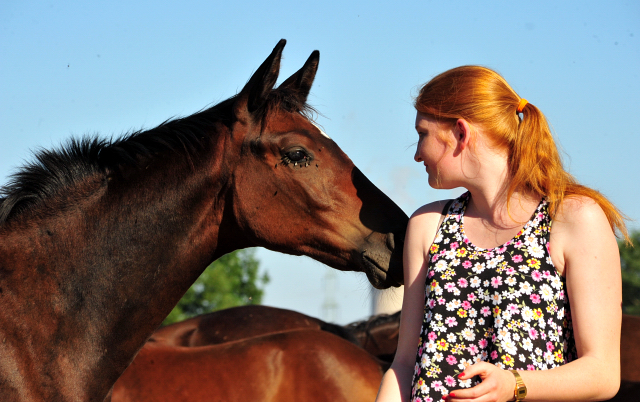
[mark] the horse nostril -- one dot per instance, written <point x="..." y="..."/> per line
<point x="391" y="243"/>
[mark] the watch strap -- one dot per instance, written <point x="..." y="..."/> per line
<point x="520" y="391"/>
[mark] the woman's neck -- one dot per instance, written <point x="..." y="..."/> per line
<point x="497" y="211"/>
<point x="489" y="187"/>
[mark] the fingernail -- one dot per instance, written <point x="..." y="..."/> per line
<point x="461" y="375"/>
<point x="452" y="395"/>
<point x="445" y="397"/>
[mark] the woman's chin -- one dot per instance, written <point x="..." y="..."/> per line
<point x="440" y="185"/>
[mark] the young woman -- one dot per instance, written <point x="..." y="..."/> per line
<point x="514" y="288"/>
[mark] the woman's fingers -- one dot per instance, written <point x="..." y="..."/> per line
<point x="480" y="369"/>
<point x="496" y="385"/>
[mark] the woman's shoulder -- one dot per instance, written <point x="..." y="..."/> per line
<point x="578" y="210"/>
<point x="432" y="208"/>
<point x="580" y="219"/>
<point x="424" y="220"/>
<point x="421" y="231"/>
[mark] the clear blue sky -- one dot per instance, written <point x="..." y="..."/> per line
<point x="108" y="67"/>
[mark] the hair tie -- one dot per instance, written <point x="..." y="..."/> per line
<point x="521" y="105"/>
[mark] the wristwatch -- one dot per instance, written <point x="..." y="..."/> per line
<point x="520" y="392"/>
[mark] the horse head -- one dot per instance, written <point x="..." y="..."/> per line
<point x="293" y="190"/>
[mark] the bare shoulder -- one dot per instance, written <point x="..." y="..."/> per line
<point x="424" y="221"/>
<point x="579" y="212"/>
<point x="580" y="230"/>
<point x="435" y="207"/>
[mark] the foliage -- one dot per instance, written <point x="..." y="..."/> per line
<point x="232" y="280"/>
<point x="630" y="262"/>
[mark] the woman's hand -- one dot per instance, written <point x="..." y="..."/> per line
<point x="497" y="385"/>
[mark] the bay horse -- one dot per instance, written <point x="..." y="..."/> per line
<point x="297" y="365"/>
<point x="100" y="239"/>
<point x="192" y="358"/>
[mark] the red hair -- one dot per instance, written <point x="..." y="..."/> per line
<point x="484" y="98"/>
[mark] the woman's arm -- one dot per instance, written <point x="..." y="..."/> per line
<point x="422" y="229"/>
<point x="584" y="249"/>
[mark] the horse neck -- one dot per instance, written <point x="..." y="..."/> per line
<point x="162" y="246"/>
<point x="110" y="268"/>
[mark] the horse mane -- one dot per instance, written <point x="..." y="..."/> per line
<point x="58" y="169"/>
<point x="373" y="321"/>
<point x="52" y="170"/>
<point x="341" y="331"/>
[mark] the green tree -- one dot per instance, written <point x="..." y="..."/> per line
<point x="630" y="263"/>
<point x="232" y="280"/>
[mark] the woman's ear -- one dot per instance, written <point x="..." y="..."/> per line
<point x="462" y="131"/>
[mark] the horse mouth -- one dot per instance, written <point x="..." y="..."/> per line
<point x="377" y="275"/>
<point x="381" y="258"/>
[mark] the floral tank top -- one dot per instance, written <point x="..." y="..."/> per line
<point x="507" y="306"/>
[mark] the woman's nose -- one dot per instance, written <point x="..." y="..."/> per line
<point x="417" y="157"/>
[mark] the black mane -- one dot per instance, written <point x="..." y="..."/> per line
<point x="58" y="169"/>
<point x="373" y="321"/>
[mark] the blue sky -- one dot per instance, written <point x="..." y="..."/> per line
<point x="109" y="67"/>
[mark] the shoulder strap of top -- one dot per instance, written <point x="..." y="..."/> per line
<point x="444" y="213"/>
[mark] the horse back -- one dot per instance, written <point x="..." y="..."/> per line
<point x="308" y="365"/>
<point x="234" y="324"/>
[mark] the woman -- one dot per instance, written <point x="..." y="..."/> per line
<point x="513" y="288"/>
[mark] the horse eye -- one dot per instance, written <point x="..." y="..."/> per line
<point x="296" y="156"/>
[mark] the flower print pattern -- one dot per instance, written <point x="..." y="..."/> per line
<point x="506" y="306"/>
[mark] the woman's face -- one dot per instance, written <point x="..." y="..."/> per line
<point x="436" y="142"/>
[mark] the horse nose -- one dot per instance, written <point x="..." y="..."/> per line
<point x="395" y="273"/>
<point x="391" y="243"/>
<point x="375" y="240"/>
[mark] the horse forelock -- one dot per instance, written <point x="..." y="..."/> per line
<point x="287" y="100"/>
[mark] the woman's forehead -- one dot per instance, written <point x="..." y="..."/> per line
<point x="426" y="121"/>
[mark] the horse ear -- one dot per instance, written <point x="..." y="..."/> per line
<point x="302" y="80"/>
<point x="263" y="80"/>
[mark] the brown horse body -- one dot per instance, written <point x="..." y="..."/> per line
<point x="182" y="358"/>
<point x="241" y="333"/>
<point x="297" y="365"/>
<point x="98" y="241"/>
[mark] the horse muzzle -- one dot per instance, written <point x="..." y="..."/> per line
<point x="381" y="257"/>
